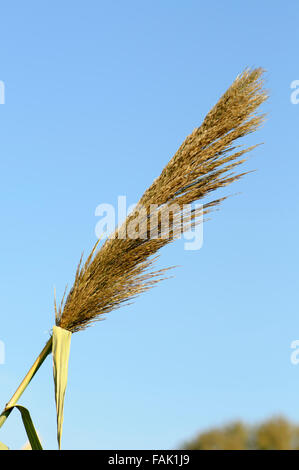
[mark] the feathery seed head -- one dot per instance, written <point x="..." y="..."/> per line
<point x="122" y="268"/>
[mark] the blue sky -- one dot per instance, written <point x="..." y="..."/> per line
<point x="99" y="95"/>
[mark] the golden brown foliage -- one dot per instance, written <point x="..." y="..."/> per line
<point x="122" y="267"/>
<point x="231" y="437"/>
<point x="274" y="434"/>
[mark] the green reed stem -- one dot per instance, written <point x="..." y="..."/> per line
<point x="25" y="382"/>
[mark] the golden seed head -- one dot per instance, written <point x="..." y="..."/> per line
<point x="122" y="268"/>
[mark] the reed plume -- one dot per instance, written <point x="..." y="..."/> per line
<point x="206" y="161"/>
<point x="123" y="267"/>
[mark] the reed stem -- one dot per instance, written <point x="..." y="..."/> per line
<point x="25" y="382"/>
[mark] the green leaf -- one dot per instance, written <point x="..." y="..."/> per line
<point x="29" y="427"/>
<point x="3" y="446"/>
<point x="61" y="351"/>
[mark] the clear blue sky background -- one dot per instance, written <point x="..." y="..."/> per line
<point x="99" y="95"/>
